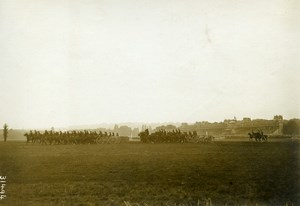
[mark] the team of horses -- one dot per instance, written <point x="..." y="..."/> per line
<point x="174" y="136"/>
<point x="258" y="136"/>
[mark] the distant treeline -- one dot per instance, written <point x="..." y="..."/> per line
<point x="291" y="127"/>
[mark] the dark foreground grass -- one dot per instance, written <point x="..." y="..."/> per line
<point x="232" y="173"/>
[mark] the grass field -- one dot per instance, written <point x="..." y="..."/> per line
<point x="232" y="173"/>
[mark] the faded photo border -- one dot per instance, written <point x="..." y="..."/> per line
<point x="110" y="102"/>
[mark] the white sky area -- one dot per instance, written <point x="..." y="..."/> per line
<point x="86" y="62"/>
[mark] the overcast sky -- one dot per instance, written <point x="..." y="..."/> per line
<point x="92" y="61"/>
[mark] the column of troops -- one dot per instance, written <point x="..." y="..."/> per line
<point x="94" y="137"/>
<point x="73" y="137"/>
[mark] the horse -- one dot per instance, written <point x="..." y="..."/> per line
<point x="29" y="138"/>
<point x="251" y="136"/>
<point x="265" y="137"/>
<point x="258" y="136"/>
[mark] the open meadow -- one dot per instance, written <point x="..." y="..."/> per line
<point x="232" y="173"/>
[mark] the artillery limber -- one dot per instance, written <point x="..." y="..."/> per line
<point x="112" y="139"/>
<point x="201" y="139"/>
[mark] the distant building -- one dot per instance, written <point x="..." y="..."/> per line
<point x="279" y="122"/>
<point x="167" y="128"/>
<point x="236" y="127"/>
<point x="135" y="132"/>
<point x="246" y="119"/>
<point x="124" y="131"/>
<point x="278" y="117"/>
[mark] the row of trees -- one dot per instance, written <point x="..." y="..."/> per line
<point x="292" y="127"/>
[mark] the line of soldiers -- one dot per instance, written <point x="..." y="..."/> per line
<point x="69" y="137"/>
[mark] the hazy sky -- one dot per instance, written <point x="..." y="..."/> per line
<point x="91" y="61"/>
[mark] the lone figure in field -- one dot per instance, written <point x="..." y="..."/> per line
<point x="5" y="131"/>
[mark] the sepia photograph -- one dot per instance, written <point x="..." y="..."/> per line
<point x="149" y="103"/>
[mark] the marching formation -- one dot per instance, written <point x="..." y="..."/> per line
<point x="94" y="137"/>
<point x="73" y="137"/>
